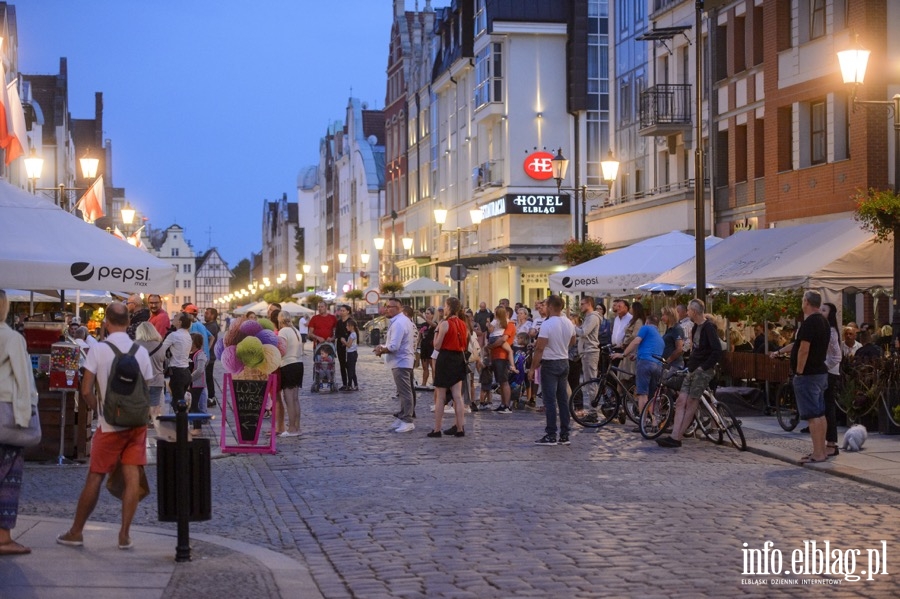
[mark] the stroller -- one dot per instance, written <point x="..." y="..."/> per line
<point x="323" y="368"/>
<point x="518" y="381"/>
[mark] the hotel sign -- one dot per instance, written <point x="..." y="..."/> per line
<point x="523" y="203"/>
<point x="539" y="165"/>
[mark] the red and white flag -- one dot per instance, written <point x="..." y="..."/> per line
<point x="92" y="202"/>
<point x="8" y="141"/>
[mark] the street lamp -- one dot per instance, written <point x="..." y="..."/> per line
<point x="34" y="166"/>
<point x="458" y="271"/>
<point x="853" y="62"/>
<point x="609" y="169"/>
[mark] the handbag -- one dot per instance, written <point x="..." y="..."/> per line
<point x="12" y="434"/>
<point x="115" y="484"/>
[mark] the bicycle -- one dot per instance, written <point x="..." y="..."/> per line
<point x="717" y="421"/>
<point x="607" y="396"/>
<point x="659" y="411"/>
<point x="786" y="405"/>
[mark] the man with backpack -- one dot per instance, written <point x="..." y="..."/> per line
<point x="121" y="377"/>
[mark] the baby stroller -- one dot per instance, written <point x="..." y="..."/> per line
<point x="518" y="380"/>
<point x="323" y="368"/>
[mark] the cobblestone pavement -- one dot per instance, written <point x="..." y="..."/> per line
<point x="374" y="513"/>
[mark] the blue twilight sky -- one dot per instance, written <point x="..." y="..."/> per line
<point x="212" y="106"/>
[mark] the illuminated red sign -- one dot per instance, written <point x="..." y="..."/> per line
<point x="539" y="165"/>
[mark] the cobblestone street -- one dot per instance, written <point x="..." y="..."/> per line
<point x="374" y="513"/>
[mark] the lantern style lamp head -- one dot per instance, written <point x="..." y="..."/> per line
<point x="306" y="269"/>
<point x="407" y="243"/>
<point x="34" y="164"/>
<point x="476" y="215"/>
<point x="89" y="165"/>
<point x="610" y="167"/>
<point x="127" y="214"/>
<point x="365" y="258"/>
<point x="299" y="277"/>
<point x="440" y="214"/>
<point x="324" y="269"/>
<point x="342" y="258"/>
<point x="559" y="164"/>
<point x="854" y="61"/>
<point x="379" y="243"/>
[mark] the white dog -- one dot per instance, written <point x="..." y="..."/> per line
<point x="854" y="438"/>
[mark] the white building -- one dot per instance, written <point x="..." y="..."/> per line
<point x="279" y="241"/>
<point x="212" y="279"/>
<point x="175" y="249"/>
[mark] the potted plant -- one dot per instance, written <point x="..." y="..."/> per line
<point x="577" y="252"/>
<point x="353" y="295"/>
<point x="861" y="395"/>
<point x="391" y="288"/>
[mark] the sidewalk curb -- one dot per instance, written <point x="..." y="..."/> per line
<point x="854" y="474"/>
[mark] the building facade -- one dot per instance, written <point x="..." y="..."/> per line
<point x="212" y="278"/>
<point x="280" y="231"/>
<point x="175" y="249"/>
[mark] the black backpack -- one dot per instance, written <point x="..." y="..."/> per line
<point x="127" y="399"/>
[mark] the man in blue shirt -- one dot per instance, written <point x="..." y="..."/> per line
<point x="646" y="345"/>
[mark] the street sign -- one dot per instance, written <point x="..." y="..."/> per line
<point x="372" y="296"/>
<point x="372" y="310"/>
<point x="458" y="272"/>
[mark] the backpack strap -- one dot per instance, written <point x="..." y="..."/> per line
<point x="115" y="349"/>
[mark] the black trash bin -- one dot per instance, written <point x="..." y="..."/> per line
<point x="200" y="492"/>
<point x="375" y="337"/>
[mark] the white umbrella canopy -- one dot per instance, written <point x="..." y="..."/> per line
<point x="259" y="307"/>
<point x="295" y="309"/>
<point x="423" y="286"/>
<point x="45" y="247"/>
<point x="833" y="255"/>
<point x="626" y="269"/>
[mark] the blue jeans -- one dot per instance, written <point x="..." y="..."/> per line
<point x="554" y="385"/>
<point x="810" y="392"/>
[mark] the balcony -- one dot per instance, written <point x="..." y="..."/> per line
<point x="666" y="109"/>
<point x="487" y="174"/>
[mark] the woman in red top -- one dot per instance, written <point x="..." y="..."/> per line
<point x="451" y="342"/>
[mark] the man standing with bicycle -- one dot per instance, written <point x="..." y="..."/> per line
<point x="706" y="353"/>
<point x="811" y="374"/>
<point x="589" y="342"/>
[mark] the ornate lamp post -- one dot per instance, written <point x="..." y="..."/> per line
<point x="609" y="169"/>
<point x="458" y="271"/>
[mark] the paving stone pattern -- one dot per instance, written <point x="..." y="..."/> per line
<point x="377" y="514"/>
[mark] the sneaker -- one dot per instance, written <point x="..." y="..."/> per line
<point x="212" y="401"/>
<point x="505" y="410"/>
<point x="564" y="438"/>
<point x="286" y="434"/>
<point x="405" y="427"/>
<point x="546" y="440"/>
<point x="396" y="424"/>
<point x="668" y="442"/>
<point x="474" y="406"/>
<point x="451" y="431"/>
<point x="448" y="409"/>
<point x="434" y="434"/>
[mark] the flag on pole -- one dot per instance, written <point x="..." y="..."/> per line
<point x="8" y="140"/>
<point x="135" y="239"/>
<point x="117" y="233"/>
<point x="16" y="113"/>
<point x="92" y="202"/>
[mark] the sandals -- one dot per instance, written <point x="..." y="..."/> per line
<point x="13" y="548"/>
<point x="808" y="459"/>
<point x="833" y="451"/>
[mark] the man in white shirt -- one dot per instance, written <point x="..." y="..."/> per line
<point x="687" y="327"/>
<point x="110" y="444"/>
<point x="551" y="355"/>
<point x="399" y="351"/>
<point x="620" y="322"/>
<point x="850" y="344"/>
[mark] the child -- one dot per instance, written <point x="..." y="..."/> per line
<point x="325" y="367"/>
<point x="352" y="354"/>
<point x="494" y="333"/>
<point x="198" y="377"/>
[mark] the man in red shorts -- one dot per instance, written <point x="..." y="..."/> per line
<point x="110" y="444"/>
<point x="322" y="325"/>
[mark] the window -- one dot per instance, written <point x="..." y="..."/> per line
<point x="187" y="284"/>
<point x="816" y="19"/>
<point x="480" y="17"/>
<point x="187" y="268"/>
<point x="175" y="253"/>
<point x="785" y="138"/>
<point x="818" y="133"/>
<point x="489" y="75"/>
<point x="176" y="283"/>
<point x="739" y="44"/>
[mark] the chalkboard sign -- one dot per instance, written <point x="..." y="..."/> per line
<point x="248" y="398"/>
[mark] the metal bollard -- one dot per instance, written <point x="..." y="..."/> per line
<point x="182" y="483"/>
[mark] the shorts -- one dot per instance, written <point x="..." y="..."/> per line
<point x="695" y="383"/>
<point x="304" y="337"/>
<point x="128" y="446"/>
<point x="156" y="394"/>
<point x="648" y="375"/>
<point x="809" y="389"/>
<point x="292" y="375"/>
<point x="449" y="369"/>
<point x="501" y="370"/>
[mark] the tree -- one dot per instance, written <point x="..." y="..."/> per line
<point x="241" y="274"/>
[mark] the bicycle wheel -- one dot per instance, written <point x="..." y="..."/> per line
<point x="630" y="405"/>
<point x="656" y="415"/>
<point x="704" y="421"/>
<point x="786" y="407"/>
<point x="730" y="427"/>
<point x="593" y="403"/>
